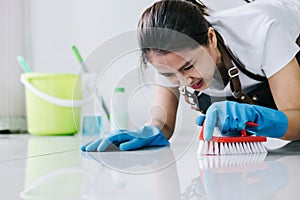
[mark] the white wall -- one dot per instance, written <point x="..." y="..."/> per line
<point x="43" y="31"/>
<point x="11" y="45"/>
<point x="58" y="24"/>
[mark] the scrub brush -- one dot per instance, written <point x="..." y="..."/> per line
<point x="223" y="145"/>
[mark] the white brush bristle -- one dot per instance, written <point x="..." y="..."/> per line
<point x="212" y="162"/>
<point x="230" y="148"/>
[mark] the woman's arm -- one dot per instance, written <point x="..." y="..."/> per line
<point x="163" y="113"/>
<point x="285" y="87"/>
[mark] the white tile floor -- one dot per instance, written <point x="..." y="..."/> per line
<point x="53" y="168"/>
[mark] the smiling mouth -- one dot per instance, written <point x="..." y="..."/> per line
<point x="197" y="85"/>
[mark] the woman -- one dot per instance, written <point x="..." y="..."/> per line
<point x="245" y="58"/>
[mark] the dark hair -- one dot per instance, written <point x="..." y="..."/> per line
<point x="169" y="25"/>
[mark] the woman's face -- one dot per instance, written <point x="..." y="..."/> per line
<point x="188" y="67"/>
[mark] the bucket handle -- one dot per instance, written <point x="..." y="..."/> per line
<point x="51" y="99"/>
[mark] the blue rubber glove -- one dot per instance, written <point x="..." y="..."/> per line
<point x="232" y="117"/>
<point x="146" y="136"/>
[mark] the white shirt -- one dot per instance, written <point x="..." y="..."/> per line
<point x="262" y="35"/>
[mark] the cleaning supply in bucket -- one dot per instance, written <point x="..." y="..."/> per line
<point x="53" y="103"/>
<point x="119" y="110"/>
<point x="92" y="122"/>
<point x="85" y="69"/>
<point x="23" y="64"/>
<point x="79" y="58"/>
<point x="92" y="125"/>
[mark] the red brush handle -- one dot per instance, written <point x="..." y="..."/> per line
<point x="243" y="132"/>
<point x="201" y="132"/>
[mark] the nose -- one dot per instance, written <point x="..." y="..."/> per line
<point x="185" y="80"/>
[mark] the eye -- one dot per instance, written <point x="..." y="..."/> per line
<point x="167" y="74"/>
<point x="187" y="68"/>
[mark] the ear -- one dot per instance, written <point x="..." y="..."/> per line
<point x="212" y="38"/>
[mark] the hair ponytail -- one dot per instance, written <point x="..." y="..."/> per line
<point x="202" y="7"/>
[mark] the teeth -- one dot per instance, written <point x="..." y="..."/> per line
<point x="196" y="85"/>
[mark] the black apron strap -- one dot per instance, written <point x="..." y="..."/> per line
<point x="233" y="72"/>
<point x="298" y="54"/>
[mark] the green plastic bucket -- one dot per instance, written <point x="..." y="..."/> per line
<point x="53" y="103"/>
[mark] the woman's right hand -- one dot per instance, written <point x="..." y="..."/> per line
<point x="231" y="117"/>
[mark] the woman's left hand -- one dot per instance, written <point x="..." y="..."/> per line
<point x="146" y="136"/>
